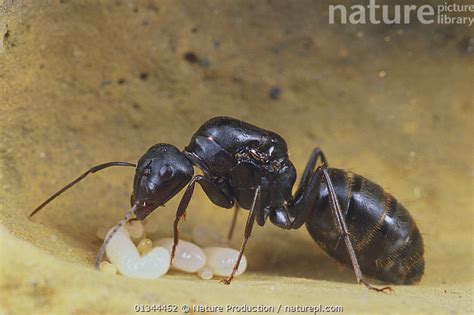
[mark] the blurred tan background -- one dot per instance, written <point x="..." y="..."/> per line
<point x="85" y="82"/>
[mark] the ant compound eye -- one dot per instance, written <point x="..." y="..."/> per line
<point x="166" y="172"/>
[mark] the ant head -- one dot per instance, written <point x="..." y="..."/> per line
<point x="161" y="173"/>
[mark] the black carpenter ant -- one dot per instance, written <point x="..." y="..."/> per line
<point x="249" y="167"/>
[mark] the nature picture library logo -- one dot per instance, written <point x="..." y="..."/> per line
<point x="373" y="13"/>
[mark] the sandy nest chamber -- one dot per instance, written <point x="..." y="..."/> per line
<point x="83" y="83"/>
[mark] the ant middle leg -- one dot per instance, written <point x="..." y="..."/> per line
<point x="248" y="231"/>
<point x="234" y="222"/>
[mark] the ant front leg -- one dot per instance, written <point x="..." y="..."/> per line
<point x="213" y="192"/>
<point x="248" y="231"/>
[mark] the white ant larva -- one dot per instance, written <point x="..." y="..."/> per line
<point x="151" y="224"/>
<point x="144" y="246"/>
<point x="124" y="255"/>
<point x="206" y="237"/>
<point x="205" y="273"/>
<point x="222" y="260"/>
<point x="136" y="230"/>
<point x="188" y="258"/>
<point x="107" y="267"/>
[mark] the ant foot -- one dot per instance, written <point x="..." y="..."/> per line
<point x="226" y="281"/>
<point x="371" y="287"/>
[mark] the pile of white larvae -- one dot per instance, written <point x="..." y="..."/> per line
<point x="134" y="255"/>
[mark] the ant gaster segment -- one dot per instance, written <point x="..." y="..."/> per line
<point x="352" y="218"/>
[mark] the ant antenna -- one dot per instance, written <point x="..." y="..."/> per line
<point x="77" y="180"/>
<point x="101" y="252"/>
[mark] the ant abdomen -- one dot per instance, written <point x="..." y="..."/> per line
<point x="385" y="237"/>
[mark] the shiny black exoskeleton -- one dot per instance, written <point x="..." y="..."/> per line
<point x="353" y="219"/>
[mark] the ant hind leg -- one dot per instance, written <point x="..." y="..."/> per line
<point x="344" y="234"/>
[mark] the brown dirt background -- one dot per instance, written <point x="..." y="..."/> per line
<point x="84" y="82"/>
